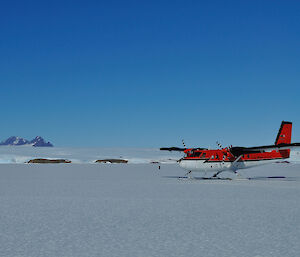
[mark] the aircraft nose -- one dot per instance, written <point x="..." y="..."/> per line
<point x="182" y="163"/>
<point x="187" y="165"/>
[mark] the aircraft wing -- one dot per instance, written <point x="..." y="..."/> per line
<point x="236" y="150"/>
<point x="172" y="149"/>
<point x="181" y="149"/>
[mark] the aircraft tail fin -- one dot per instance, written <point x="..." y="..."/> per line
<point x="284" y="135"/>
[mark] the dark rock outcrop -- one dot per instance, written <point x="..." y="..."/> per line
<point x="111" y="161"/>
<point x="49" y="161"/>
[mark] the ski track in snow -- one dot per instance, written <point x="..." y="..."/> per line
<point x="138" y="210"/>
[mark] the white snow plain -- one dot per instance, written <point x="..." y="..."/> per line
<point x="138" y="210"/>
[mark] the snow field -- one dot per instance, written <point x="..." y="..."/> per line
<point x="138" y="210"/>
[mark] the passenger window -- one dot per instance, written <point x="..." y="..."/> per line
<point x="203" y="155"/>
<point x="197" y="154"/>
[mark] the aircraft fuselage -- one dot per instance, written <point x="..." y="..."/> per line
<point x="221" y="160"/>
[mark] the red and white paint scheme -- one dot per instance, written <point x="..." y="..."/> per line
<point x="215" y="161"/>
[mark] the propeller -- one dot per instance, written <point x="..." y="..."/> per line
<point x="219" y="145"/>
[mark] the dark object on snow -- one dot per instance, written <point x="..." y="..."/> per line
<point x="111" y="161"/>
<point x="49" y="161"/>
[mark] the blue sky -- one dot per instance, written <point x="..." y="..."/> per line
<point x="134" y="74"/>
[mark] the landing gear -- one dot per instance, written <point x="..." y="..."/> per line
<point x="216" y="175"/>
<point x="238" y="176"/>
<point x="188" y="174"/>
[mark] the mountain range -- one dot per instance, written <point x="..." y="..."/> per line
<point x="36" y="142"/>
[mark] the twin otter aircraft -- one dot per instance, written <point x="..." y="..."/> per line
<point x="233" y="158"/>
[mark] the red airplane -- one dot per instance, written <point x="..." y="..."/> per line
<point x="232" y="158"/>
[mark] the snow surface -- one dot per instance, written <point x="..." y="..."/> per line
<point x="138" y="210"/>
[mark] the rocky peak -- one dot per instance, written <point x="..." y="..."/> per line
<point x="16" y="141"/>
<point x="39" y="142"/>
